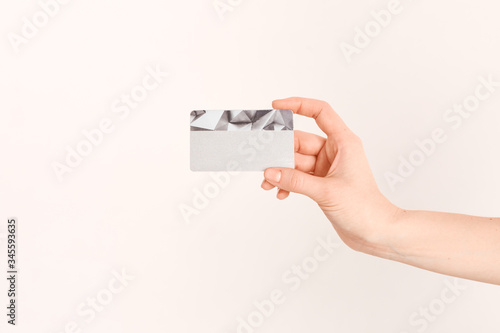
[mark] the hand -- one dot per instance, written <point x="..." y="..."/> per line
<point x="335" y="173"/>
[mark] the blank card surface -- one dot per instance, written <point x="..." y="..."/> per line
<point x="246" y="140"/>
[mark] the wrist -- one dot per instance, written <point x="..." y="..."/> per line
<point x="384" y="225"/>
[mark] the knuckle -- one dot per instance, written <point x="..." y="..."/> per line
<point x="356" y="139"/>
<point x="323" y="103"/>
<point x="351" y="139"/>
<point x="295" y="181"/>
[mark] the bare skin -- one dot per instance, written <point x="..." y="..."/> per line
<point x="334" y="172"/>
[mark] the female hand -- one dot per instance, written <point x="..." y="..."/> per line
<point x="334" y="172"/>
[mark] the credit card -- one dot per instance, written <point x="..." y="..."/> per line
<point x="245" y="140"/>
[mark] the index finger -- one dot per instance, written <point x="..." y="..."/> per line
<point x="326" y="118"/>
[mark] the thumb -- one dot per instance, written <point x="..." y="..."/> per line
<point x="293" y="180"/>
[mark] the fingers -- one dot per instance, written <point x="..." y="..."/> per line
<point x="295" y="181"/>
<point x="327" y="119"/>
<point x="305" y="163"/>
<point x="266" y="185"/>
<point x="308" y="143"/>
<point x="281" y="195"/>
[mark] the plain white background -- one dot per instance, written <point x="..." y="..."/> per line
<point x="120" y="208"/>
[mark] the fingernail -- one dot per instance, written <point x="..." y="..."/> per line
<point x="273" y="175"/>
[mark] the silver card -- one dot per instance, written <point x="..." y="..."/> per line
<point x="246" y="140"/>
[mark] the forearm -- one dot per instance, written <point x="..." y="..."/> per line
<point x="335" y="172"/>
<point x="452" y="244"/>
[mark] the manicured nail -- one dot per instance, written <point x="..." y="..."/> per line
<point x="273" y="175"/>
